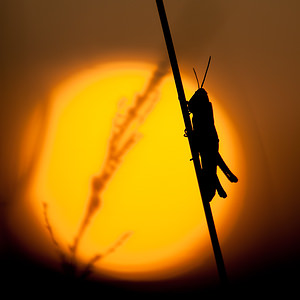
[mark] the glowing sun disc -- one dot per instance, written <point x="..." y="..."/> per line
<point x="153" y="195"/>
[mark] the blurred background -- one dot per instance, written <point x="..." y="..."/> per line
<point x="255" y="48"/>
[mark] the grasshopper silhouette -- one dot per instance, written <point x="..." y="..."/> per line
<point x="205" y="140"/>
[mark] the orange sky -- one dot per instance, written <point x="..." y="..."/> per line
<point x="255" y="73"/>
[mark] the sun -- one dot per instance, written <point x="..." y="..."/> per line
<point x="153" y="194"/>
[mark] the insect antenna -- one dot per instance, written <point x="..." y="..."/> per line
<point x="206" y="71"/>
<point x="196" y="78"/>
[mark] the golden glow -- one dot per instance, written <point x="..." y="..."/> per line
<point x="153" y="194"/>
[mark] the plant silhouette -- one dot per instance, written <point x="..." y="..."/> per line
<point x="123" y="136"/>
